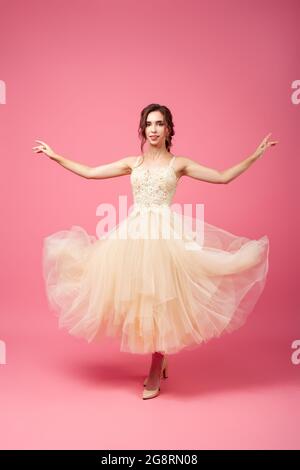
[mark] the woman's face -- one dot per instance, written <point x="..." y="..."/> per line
<point x="156" y="129"/>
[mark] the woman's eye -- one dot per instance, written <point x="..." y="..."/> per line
<point x="148" y="124"/>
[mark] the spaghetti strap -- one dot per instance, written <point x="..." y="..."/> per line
<point x="137" y="161"/>
<point x="172" y="161"/>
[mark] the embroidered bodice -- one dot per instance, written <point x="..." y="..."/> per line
<point x="154" y="186"/>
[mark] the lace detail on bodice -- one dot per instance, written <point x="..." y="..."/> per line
<point x="153" y="186"/>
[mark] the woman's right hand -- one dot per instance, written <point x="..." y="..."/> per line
<point x="45" y="148"/>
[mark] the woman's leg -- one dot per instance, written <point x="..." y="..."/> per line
<point x="155" y="371"/>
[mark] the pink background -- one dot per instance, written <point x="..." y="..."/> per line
<point x="77" y="76"/>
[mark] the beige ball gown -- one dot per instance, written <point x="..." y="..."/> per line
<point x="157" y="288"/>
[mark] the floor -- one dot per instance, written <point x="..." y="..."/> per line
<point x="240" y="391"/>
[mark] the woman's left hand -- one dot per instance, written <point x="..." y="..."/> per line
<point x="264" y="145"/>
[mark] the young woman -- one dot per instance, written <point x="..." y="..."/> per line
<point x="159" y="293"/>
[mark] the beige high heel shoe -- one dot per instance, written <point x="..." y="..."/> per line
<point x="164" y="370"/>
<point x="164" y="373"/>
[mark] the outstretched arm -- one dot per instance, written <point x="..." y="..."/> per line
<point x="236" y="170"/>
<point x="195" y="170"/>
<point x="211" y="175"/>
<point x="110" y="170"/>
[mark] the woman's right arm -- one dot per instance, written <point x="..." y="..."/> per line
<point x="109" y="170"/>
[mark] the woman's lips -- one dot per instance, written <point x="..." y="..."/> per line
<point x="154" y="137"/>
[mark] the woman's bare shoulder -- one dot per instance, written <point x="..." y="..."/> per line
<point x="180" y="163"/>
<point x="132" y="160"/>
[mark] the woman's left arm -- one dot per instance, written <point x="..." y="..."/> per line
<point x="234" y="171"/>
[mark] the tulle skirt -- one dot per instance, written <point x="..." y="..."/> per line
<point x="151" y="282"/>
